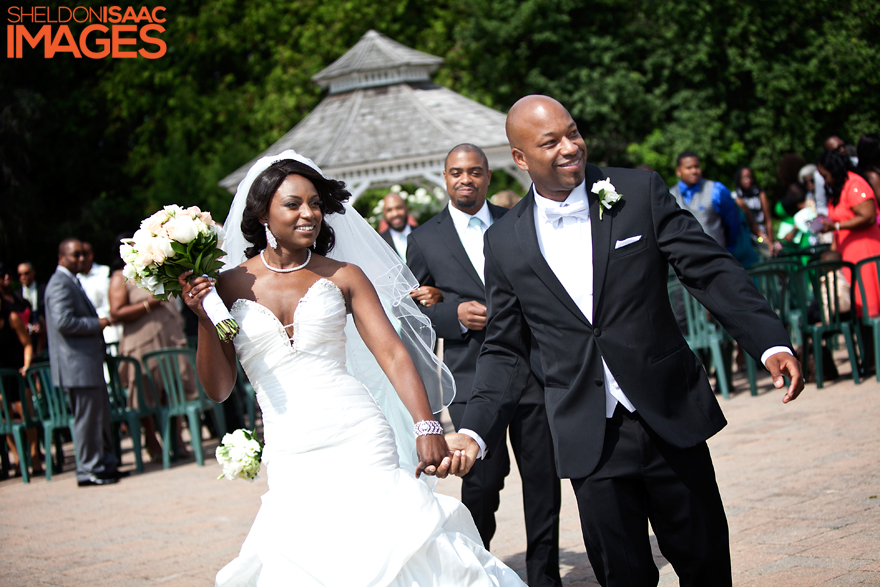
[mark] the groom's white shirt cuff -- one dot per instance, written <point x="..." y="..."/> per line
<point x="477" y="438"/>
<point x="772" y="351"/>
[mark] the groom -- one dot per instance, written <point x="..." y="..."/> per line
<point x="629" y="406"/>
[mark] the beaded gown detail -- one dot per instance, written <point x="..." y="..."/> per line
<point x="339" y="510"/>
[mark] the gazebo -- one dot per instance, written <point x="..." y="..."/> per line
<point x="384" y="121"/>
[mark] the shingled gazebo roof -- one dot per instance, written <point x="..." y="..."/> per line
<point x="384" y="121"/>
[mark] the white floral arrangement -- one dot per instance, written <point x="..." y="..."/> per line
<point x="607" y="194"/>
<point x="239" y="455"/>
<point x="169" y="242"/>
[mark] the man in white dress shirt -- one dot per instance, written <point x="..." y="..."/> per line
<point x="95" y="279"/>
<point x="629" y="405"/>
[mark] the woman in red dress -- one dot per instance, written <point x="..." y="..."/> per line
<point x="852" y="215"/>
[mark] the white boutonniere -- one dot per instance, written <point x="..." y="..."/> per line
<point x="606" y="193"/>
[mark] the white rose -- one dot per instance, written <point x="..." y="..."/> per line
<point x="173" y="210"/>
<point x="252" y="448"/>
<point x="150" y="282"/>
<point x="182" y="228"/>
<point x="143" y="260"/>
<point x="237" y="453"/>
<point x="610" y="199"/>
<point x="156" y="249"/>
<point x="140" y="239"/>
<point x="605" y="184"/>
<point x="232" y="470"/>
<point x="129" y="271"/>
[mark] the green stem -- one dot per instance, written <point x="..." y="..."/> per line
<point x="227" y="329"/>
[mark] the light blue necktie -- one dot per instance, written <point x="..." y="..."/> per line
<point x="474" y="244"/>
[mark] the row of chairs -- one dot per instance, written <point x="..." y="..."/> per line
<point x="792" y="288"/>
<point x="46" y="407"/>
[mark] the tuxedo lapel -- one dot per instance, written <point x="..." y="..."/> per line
<point x="449" y="237"/>
<point x="528" y="241"/>
<point x="601" y="235"/>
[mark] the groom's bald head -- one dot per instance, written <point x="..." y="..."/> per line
<point x="527" y="112"/>
<point x="545" y="142"/>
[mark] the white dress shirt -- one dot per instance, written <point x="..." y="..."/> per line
<point x="471" y="236"/>
<point x="31" y="295"/>
<point x="568" y="237"/>
<point x="96" y="284"/>
<point x="399" y="239"/>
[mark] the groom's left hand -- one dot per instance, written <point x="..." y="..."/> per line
<point x="434" y="456"/>
<point x="780" y="364"/>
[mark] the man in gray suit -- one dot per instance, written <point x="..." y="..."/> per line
<point x="76" y="353"/>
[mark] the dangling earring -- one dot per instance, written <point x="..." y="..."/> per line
<point x="270" y="238"/>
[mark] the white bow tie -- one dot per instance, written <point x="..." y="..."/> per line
<point x="579" y="210"/>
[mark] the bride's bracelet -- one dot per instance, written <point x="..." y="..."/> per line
<point x="425" y="427"/>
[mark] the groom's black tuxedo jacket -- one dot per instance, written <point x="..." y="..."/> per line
<point x="436" y="257"/>
<point x="633" y="326"/>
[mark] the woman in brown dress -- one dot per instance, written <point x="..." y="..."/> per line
<point x="148" y="324"/>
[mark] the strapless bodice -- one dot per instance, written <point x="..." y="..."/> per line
<point x="318" y="330"/>
<point x="303" y="383"/>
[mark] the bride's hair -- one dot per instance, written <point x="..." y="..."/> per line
<point x="332" y="193"/>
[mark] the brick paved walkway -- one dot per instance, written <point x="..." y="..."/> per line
<point x="800" y="484"/>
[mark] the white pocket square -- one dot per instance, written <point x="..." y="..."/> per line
<point x="626" y="241"/>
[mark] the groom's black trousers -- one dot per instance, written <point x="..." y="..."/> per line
<point x="639" y="478"/>
<point x="533" y="450"/>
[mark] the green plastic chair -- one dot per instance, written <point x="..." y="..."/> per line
<point x="809" y="287"/>
<point x="51" y="409"/>
<point x="14" y="426"/>
<point x="872" y="322"/>
<point x="168" y="361"/>
<point x="805" y="255"/>
<point x="772" y="281"/>
<point x="120" y="411"/>
<point x="703" y="334"/>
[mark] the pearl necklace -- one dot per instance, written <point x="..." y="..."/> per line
<point x="290" y="269"/>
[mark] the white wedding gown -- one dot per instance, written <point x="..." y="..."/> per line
<point x="339" y="511"/>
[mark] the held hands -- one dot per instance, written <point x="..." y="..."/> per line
<point x="781" y="364"/>
<point x="456" y="454"/>
<point x="194" y="292"/>
<point x="472" y="315"/>
<point x="434" y="456"/>
<point x="464" y="452"/>
<point x="426" y="295"/>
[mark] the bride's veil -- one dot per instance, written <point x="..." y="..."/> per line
<point x="357" y="243"/>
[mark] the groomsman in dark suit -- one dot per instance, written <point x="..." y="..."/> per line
<point x="447" y="252"/>
<point x="629" y="405"/>
<point x="396" y="214"/>
<point x="76" y="354"/>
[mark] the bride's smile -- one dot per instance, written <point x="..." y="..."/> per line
<point x="294" y="215"/>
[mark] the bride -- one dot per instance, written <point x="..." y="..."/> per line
<point x="345" y="505"/>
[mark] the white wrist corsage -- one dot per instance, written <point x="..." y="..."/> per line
<point x="606" y="193"/>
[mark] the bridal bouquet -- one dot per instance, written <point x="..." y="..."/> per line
<point x="169" y="242"/>
<point x="239" y="455"/>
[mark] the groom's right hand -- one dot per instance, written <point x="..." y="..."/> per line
<point x="464" y="451"/>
